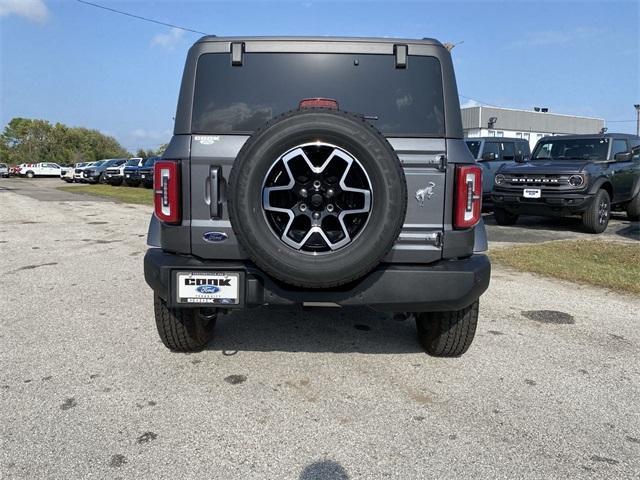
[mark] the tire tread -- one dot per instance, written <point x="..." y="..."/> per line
<point x="180" y="329"/>
<point x="590" y="217"/>
<point x="448" y="334"/>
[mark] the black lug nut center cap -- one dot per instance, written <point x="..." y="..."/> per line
<point x="316" y="200"/>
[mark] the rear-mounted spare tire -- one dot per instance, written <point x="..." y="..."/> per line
<point x="317" y="197"/>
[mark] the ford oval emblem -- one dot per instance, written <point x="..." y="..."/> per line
<point x="213" y="237"/>
<point x="207" y="289"/>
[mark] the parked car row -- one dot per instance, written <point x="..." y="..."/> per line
<point x="586" y="175"/>
<point x="130" y="172"/>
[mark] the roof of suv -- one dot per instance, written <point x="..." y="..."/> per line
<point x="595" y="135"/>
<point x="500" y="139"/>
<point x="423" y="41"/>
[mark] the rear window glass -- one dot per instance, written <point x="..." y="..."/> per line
<point x="400" y="101"/>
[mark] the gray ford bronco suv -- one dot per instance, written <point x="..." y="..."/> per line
<point x="318" y="172"/>
<point x="586" y="175"/>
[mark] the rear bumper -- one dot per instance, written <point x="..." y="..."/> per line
<point x="550" y="203"/>
<point x="441" y="286"/>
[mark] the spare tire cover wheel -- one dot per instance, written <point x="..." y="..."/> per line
<point x="317" y="197"/>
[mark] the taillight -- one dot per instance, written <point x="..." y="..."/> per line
<point x="468" y="196"/>
<point x="318" y="103"/>
<point x="166" y="186"/>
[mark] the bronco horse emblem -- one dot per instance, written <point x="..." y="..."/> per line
<point x="423" y="193"/>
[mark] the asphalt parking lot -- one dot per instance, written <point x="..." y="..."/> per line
<point x="531" y="229"/>
<point x="549" y="389"/>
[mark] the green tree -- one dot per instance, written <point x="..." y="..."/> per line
<point x="160" y="150"/>
<point x="27" y="140"/>
<point x="142" y="153"/>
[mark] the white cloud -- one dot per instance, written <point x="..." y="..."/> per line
<point x="470" y="103"/>
<point x="34" y="10"/>
<point x="168" y="40"/>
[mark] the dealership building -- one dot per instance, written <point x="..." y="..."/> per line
<point x="483" y="121"/>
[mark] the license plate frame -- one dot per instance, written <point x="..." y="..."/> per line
<point x="220" y="294"/>
<point x="532" y="193"/>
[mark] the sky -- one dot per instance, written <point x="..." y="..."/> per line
<point x="68" y="62"/>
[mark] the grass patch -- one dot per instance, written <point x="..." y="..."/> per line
<point x="140" y="196"/>
<point x="603" y="264"/>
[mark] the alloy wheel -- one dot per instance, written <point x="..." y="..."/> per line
<point x="317" y="198"/>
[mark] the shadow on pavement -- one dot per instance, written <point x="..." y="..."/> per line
<point x="314" y="330"/>
<point x="324" y="470"/>
<point x="632" y="231"/>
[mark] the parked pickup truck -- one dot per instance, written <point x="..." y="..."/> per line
<point x="115" y="175"/>
<point x="493" y="152"/>
<point x="586" y="175"/>
<point x="44" y="169"/>
<point x="67" y="172"/>
<point x="77" y="172"/>
<point x="320" y="172"/>
<point x="96" y="173"/>
<point x="145" y="172"/>
<point x="131" y="174"/>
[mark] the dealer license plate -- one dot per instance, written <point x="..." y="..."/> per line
<point x="209" y="287"/>
<point x="531" y="193"/>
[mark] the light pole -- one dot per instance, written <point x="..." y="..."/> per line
<point x="637" y="105"/>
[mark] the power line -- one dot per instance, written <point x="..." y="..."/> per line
<point x="141" y="18"/>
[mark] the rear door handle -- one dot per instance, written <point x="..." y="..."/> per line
<point x="214" y="192"/>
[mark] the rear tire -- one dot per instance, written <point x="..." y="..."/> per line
<point x="182" y="329"/>
<point x="30" y="174"/>
<point x="596" y="218"/>
<point x="503" y="217"/>
<point x="448" y="334"/>
<point x="633" y="208"/>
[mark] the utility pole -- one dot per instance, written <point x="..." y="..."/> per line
<point x="637" y="118"/>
